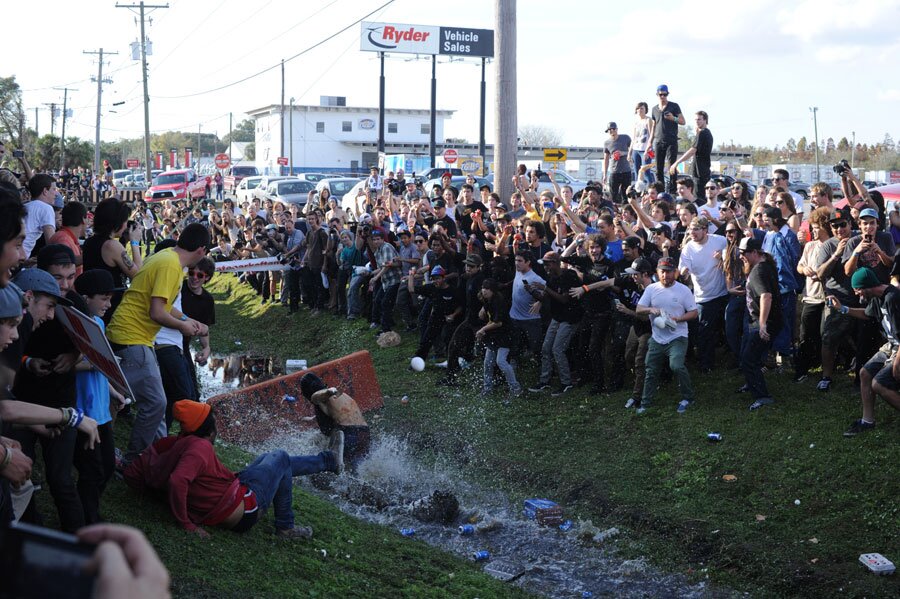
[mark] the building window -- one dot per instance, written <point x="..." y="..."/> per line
<point x="425" y="128"/>
<point x="347" y="126"/>
<point x="320" y="127"/>
<point x="392" y="127"/>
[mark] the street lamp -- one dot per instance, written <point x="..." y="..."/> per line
<point x="291" y="137"/>
<point x="814" y="110"/>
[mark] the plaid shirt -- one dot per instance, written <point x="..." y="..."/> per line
<point x="385" y="254"/>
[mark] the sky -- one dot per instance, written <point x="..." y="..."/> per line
<point x="756" y="67"/>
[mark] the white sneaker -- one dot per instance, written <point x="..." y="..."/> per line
<point x="442" y="364"/>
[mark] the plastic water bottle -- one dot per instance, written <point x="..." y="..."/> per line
<point x="290" y="398"/>
<point x="714" y="437"/>
<point x="480" y="556"/>
<point x="566" y="526"/>
<point x="408" y="532"/>
<point x="466" y="530"/>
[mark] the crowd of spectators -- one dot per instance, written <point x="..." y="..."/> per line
<point x="615" y="287"/>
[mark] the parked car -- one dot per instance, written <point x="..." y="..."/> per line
<point x="289" y="191"/>
<point x="312" y="177"/>
<point x="244" y="190"/>
<point x="338" y="186"/>
<point x="437" y="173"/>
<point x="348" y="200"/>
<point x="264" y="182"/>
<point x="180" y="184"/>
<point x="119" y="175"/>
<point x="236" y="173"/>
<point x="457" y="182"/>
<point x="562" y="179"/>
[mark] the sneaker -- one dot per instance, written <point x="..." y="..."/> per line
<point x="824" y="384"/>
<point x="562" y="390"/>
<point x="336" y="447"/>
<point x="683" y="406"/>
<point x="298" y="532"/>
<point x="632" y="402"/>
<point x="442" y="364"/>
<point x="858" y="426"/>
<point x="642" y="410"/>
<point x="762" y="401"/>
<point x="540" y="388"/>
<point x="463" y="363"/>
<point x="799" y="378"/>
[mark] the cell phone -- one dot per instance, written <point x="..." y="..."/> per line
<point x="37" y="562"/>
<point x="868" y="238"/>
<point x="548" y="205"/>
<point x="18" y="154"/>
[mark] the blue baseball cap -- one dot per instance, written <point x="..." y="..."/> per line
<point x="10" y="301"/>
<point x="868" y="213"/>
<point x="662" y="88"/>
<point x="40" y="281"/>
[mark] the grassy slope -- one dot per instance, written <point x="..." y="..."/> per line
<point x="657" y="474"/>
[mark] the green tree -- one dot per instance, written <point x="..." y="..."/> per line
<point x="244" y="131"/>
<point x="843" y="145"/>
<point x="539" y="135"/>
<point x="791" y="146"/>
<point x="802" y="145"/>
<point x="12" y="114"/>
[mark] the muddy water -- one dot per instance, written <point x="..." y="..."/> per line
<point x="542" y="560"/>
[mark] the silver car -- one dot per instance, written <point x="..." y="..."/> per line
<point x="289" y="191"/>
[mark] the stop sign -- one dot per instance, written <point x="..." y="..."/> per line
<point x="222" y="161"/>
<point x="450" y="155"/>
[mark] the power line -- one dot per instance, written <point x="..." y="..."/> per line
<point x="279" y="64"/>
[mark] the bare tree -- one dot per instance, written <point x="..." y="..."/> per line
<point x="539" y="135"/>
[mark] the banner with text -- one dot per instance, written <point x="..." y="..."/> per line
<point x="251" y="265"/>
<point x="426" y="39"/>
<point x="90" y="340"/>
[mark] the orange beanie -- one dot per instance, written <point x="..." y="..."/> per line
<point x="191" y="414"/>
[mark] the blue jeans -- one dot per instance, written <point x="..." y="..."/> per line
<point x="499" y="357"/>
<point x="556" y="342"/>
<point x="354" y="301"/>
<point x="753" y="355"/>
<point x="271" y="476"/>
<point x="710" y="316"/>
<point x="734" y="323"/>
<point x="657" y="353"/>
<point x="531" y="331"/>
<point x="383" y="306"/>
<point x="783" y="342"/>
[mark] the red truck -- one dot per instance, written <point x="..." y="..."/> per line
<point x="182" y="184"/>
<point x="236" y="173"/>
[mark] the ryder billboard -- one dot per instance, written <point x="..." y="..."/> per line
<point x="425" y="39"/>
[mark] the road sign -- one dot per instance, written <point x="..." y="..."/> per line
<point x="555" y="154"/>
<point x="450" y="155"/>
<point x="471" y="165"/>
<point x="222" y="161"/>
<point x="282" y="161"/>
<point x="132" y="163"/>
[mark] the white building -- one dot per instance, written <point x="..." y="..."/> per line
<point x="335" y="137"/>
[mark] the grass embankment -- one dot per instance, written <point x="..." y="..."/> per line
<point x="657" y="475"/>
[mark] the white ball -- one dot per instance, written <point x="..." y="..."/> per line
<point x="659" y="322"/>
<point x="417" y="364"/>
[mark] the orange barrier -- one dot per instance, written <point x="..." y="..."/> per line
<point x="254" y="414"/>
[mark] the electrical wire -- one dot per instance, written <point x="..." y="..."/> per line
<point x="275" y="66"/>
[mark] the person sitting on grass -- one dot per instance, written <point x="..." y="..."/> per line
<point x="202" y="491"/>
<point x="337" y="412"/>
<point x="881" y="374"/>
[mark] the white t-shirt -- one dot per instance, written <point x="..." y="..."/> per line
<point x="676" y="300"/>
<point x="167" y="336"/>
<point x="706" y="272"/>
<point x="521" y="299"/>
<point x="38" y="215"/>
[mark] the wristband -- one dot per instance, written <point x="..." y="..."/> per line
<point x="7" y="458"/>
<point x="136" y="243"/>
<point x="183" y="317"/>
<point x="585" y="287"/>
<point x="79" y="416"/>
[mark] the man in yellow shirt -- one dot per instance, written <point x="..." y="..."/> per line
<point x="145" y="308"/>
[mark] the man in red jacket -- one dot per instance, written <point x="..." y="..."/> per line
<point x="202" y="491"/>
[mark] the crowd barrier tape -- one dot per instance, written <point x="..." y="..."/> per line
<point x="252" y="415"/>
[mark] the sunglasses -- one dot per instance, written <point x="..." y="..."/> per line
<point x="198" y="274"/>
<point x="758" y="214"/>
<point x="728" y="231"/>
<point x="778" y="178"/>
<point x="420" y="240"/>
<point x="839" y="225"/>
<point x="664" y="94"/>
<point x="713" y="187"/>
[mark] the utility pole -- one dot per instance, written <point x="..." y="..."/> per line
<point x="505" y="106"/>
<point x="291" y="139"/>
<point x="141" y="11"/>
<point x="281" y="124"/>
<point x="814" y="110"/>
<point x="62" y="137"/>
<point x="37" y="133"/>
<point x="100" y="82"/>
<point x="853" y="150"/>
<point x="199" y="154"/>
<point x="230" y="135"/>
<point x="52" y="106"/>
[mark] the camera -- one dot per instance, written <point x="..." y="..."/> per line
<point x="631" y="193"/>
<point x="366" y="229"/>
<point x="841" y="167"/>
<point x="39" y="562"/>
